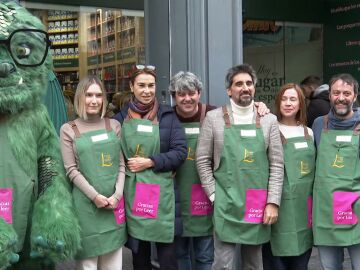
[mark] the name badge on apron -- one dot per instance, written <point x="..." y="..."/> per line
<point x="255" y="205"/>
<point x="100" y="137"/>
<point x="145" y="128"/>
<point x="6" y="204"/>
<point x="248" y="133"/>
<point x="146" y="201"/>
<point x="300" y="145"/>
<point x="119" y="212"/>
<point x="192" y="130"/>
<point x="342" y="207"/>
<point x="200" y="203"/>
<point x="343" y="138"/>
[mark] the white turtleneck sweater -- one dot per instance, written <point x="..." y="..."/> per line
<point x="242" y="115"/>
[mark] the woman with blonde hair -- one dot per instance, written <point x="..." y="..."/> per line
<point x="94" y="163"/>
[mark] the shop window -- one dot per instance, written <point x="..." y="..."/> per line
<point x="281" y="52"/>
<point x="90" y="40"/>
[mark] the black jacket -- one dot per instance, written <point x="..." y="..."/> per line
<point x="173" y="152"/>
<point x="319" y="105"/>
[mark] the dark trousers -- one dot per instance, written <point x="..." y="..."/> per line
<point x="271" y="262"/>
<point x="165" y="253"/>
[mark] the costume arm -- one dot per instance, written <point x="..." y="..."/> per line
<point x="276" y="164"/>
<point x="204" y="157"/>
<point x="8" y="239"/>
<point x="55" y="229"/>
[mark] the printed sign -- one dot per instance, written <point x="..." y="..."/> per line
<point x="6" y="204"/>
<point x="342" y="207"/>
<point x="200" y="203"/>
<point x="119" y="212"/>
<point x="255" y="205"/>
<point x="146" y="201"/>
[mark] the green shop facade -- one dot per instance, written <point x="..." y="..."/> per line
<point x="285" y="41"/>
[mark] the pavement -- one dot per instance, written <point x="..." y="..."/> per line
<point x="314" y="263"/>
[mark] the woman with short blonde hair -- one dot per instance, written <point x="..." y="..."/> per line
<point x="93" y="161"/>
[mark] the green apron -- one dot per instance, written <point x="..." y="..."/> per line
<point x="291" y="235"/>
<point x="102" y="231"/>
<point x="241" y="185"/>
<point x="196" y="208"/>
<point x="149" y="196"/>
<point x="17" y="190"/>
<point x="337" y="188"/>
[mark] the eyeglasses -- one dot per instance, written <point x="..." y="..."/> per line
<point x="142" y="67"/>
<point x="28" y="47"/>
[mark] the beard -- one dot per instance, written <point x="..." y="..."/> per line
<point x="342" y="112"/>
<point x="244" y="101"/>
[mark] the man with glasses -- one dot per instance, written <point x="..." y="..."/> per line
<point x="33" y="187"/>
<point x="240" y="153"/>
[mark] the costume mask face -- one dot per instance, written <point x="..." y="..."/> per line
<point x="24" y="59"/>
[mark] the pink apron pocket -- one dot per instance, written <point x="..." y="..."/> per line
<point x="255" y="205"/>
<point x="146" y="201"/>
<point x="309" y="211"/>
<point x="342" y="207"/>
<point x="200" y="203"/>
<point x="6" y="204"/>
<point x="119" y="212"/>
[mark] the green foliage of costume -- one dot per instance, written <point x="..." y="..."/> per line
<point x="39" y="215"/>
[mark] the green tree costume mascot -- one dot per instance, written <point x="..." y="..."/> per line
<point x="37" y="219"/>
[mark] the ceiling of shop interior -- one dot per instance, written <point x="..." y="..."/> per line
<point x="122" y="4"/>
<point x="299" y="10"/>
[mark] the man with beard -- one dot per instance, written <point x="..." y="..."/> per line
<point x="337" y="180"/>
<point x="240" y="153"/>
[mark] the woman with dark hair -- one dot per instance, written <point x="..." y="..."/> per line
<point x="291" y="237"/>
<point x="93" y="161"/>
<point x="154" y="146"/>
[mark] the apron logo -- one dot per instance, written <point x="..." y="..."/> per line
<point x="304" y="168"/>
<point x="248" y="156"/>
<point x="106" y="160"/>
<point x="139" y="151"/>
<point x="191" y="154"/>
<point x="338" y="162"/>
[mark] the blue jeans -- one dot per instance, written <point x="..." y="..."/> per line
<point x="332" y="258"/>
<point x="203" y="247"/>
